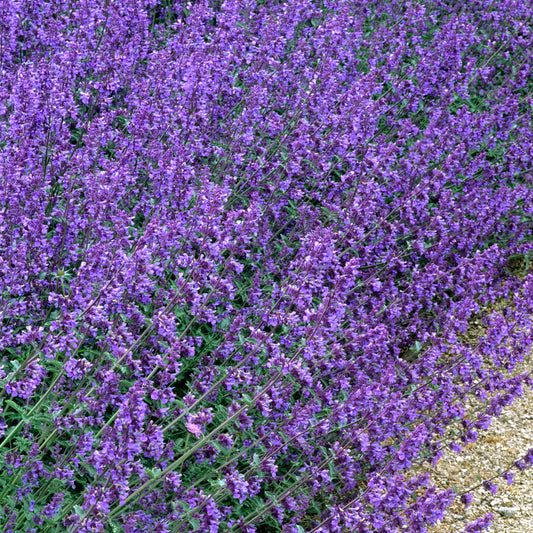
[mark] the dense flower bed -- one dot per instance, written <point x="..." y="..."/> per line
<point x="240" y="242"/>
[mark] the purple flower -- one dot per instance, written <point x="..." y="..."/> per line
<point x="195" y="429"/>
<point x="509" y="477"/>
<point x="490" y="487"/>
<point x="466" y="499"/>
<point x="479" y="525"/>
<point x="287" y="214"/>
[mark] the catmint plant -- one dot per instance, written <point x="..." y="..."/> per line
<point x="241" y="244"/>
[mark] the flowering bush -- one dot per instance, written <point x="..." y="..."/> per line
<point x="241" y="242"/>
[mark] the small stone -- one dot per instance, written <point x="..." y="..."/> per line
<point x="507" y="512"/>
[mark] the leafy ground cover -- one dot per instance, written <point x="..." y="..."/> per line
<point x="240" y="246"/>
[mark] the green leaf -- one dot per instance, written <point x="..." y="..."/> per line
<point x="272" y="497"/>
<point x="14" y="363"/>
<point x="90" y="469"/>
<point x="195" y="523"/>
<point x="17" y="407"/>
<point x="247" y="399"/>
<point x="115" y="526"/>
<point x="224" y="323"/>
<point x="54" y="362"/>
<point x="218" y="483"/>
<point x="184" y="505"/>
<point x="154" y="473"/>
<point x="125" y="383"/>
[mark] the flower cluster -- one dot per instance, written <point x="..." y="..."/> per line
<point x="241" y="243"/>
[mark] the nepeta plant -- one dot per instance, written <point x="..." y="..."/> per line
<point x="240" y="245"/>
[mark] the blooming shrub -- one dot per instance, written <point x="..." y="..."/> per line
<point x="241" y="242"/>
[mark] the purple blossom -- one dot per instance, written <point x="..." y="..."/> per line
<point x="195" y="429"/>
<point x="466" y="499"/>
<point x="490" y="487"/>
<point x="479" y="525"/>
<point x="268" y="225"/>
<point x="509" y="477"/>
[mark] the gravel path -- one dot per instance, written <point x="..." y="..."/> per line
<point x="508" y="438"/>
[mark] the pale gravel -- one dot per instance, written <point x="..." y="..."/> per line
<point x="508" y="438"/>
